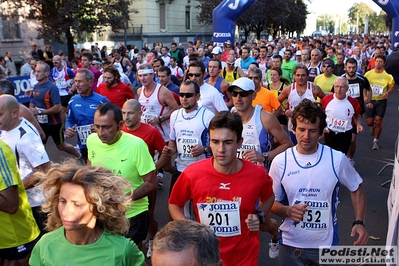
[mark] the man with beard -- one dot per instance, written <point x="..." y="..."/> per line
<point x="288" y="64"/>
<point x="113" y="89"/>
<point x="245" y="60"/>
<point x="359" y="88"/>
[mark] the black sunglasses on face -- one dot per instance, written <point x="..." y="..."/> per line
<point x="194" y="74"/>
<point x="187" y="94"/>
<point x="241" y="93"/>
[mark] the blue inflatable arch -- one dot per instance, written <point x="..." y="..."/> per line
<point x="225" y="16"/>
<point x="391" y="7"/>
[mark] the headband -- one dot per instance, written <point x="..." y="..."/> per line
<point x="145" y="71"/>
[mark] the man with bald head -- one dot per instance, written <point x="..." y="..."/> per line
<point x="7" y="87"/>
<point x="131" y="113"/>
<point x="338" y="133"/>
<point x="25" y="142"/>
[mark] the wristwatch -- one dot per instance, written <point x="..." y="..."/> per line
<point x="265" y="156"/>
<point x="161" y="119"/>
<point x="357" y="222"/>
<point x="206" y="149"/>
<point x="39" y="112"/>
<point x="261" y="216"/>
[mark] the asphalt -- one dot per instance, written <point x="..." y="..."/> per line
<point x="368" y="163"/>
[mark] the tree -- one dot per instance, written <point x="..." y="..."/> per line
<point x="296" y="21"/>
<point x="360" y="12"/>
<point x="206" y="6"/>
<point x="62" y="20"/>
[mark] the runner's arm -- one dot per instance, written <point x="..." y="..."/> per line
<point x="150" y="184"/>
<point x="359" y="206"/>
<point x="176" y="212"/>
<point x="9" y="200"/>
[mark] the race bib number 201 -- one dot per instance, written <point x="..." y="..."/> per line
<point x="222" y="217"/>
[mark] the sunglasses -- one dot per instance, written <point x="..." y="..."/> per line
<point x="230" y="63"/>
<point x="187" y="94"/>
<point x="327" y="66"/>
<point x="241" y="93"/>
<point x="255" y="78"/>
<point x="194" y="74"/>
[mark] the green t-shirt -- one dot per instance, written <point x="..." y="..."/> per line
<point x="286" y="74"/>
<point x="289" y="67"/>
<point x="18" y="228"/>
<point x="110" y="249"/>
<point x="128" y="157"/>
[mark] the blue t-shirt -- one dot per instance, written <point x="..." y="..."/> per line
<point x="45" y="96"/>
<point x="81" y="111"/>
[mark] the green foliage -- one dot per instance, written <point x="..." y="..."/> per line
<point x="361" y="11"/>
<point x="62" y="20"/>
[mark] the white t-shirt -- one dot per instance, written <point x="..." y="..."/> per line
<point x="27" y="146"/>
<point x="211" y="99"/>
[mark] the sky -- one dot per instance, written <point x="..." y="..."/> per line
<point x="338" y="6"/>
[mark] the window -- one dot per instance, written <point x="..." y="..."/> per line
<point x="188" y="21"/>
<point x="11" y="28"/>
<point x="162" y="17"/>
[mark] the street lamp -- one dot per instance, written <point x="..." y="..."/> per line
<point x="357" y="22"/>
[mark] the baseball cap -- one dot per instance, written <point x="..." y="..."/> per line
<point x="245" y="84"/>
<point x="298" y="53"/>
<point x="328" y="61"/>
<point x="217" y="50"/>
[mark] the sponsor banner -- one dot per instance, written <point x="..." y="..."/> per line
<point x="21" y="84"/>
<point x="363" y="255"/>
<point x="224" y="19"/>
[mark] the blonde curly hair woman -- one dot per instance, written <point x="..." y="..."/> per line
<point x="86" y="209"/>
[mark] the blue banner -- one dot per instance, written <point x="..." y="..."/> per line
<point x="391" y="7"/>
<point x="21" y="85"/>
<point x="224" y="20"/>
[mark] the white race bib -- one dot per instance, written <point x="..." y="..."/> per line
<point x="316" y="218"/>
<point x="245" y="147"/>
<point x="60" y="83"/>
<point x="377" y="90"/>
<point x="354" y="90"/>
<point x="222" y="217"/>
<point x="337" y="125"/>
<point x="83" y="133"/>
<point x="184" y="146"/>
<point x="42" y="119"/>
<point x="146" y="117"/>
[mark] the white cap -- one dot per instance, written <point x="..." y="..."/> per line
<point x="298" y="53"/>
<point x="245" y="84"/>
<point x="217" y="50"/>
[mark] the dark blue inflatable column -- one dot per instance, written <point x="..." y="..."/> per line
<point x="391" y="7"/>
<point x="224" y="19"/>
